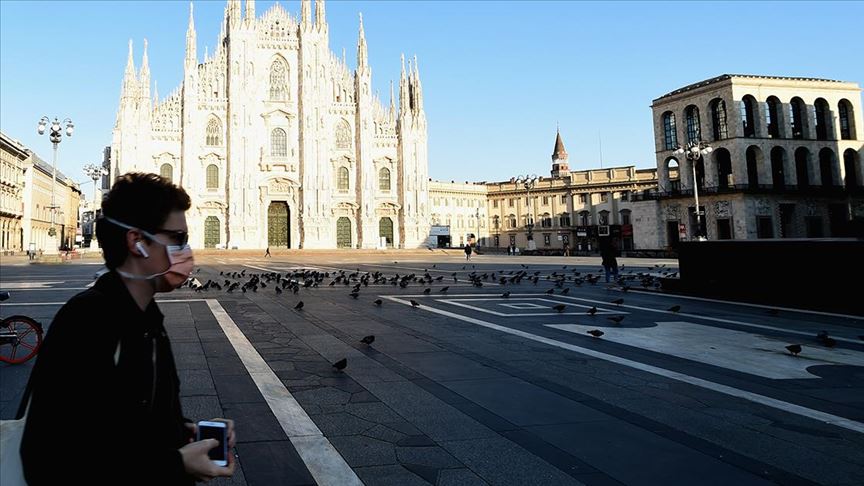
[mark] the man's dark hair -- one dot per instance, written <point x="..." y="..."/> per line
<point x="140" y="200"/>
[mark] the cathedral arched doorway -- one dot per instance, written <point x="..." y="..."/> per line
<point x="385" y="230"/>
<point x="211" y="232"/>
<point x="343" y="233"/>
<point x="278" y="225"/>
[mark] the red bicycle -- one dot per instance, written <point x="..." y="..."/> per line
<point x="20" y="337"/>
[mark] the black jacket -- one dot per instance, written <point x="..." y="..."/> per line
<point x="97" y="422"/>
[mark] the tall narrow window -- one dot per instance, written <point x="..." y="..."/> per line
<point x="212" y="176"/>
<point x="718" y="119"/>
<point x="214" y="133"/>
<point x="847" y="121"/>
<point x="342" y="183"/>
<point x="754" y="158"/>
<point x="166" y="171"/>
<point x="691" y="114"/>
<point x="384" y="179"/>
<point x="748" y="116"/>
<point x="772" y="116"/>
<point x="278" y="143"/>
<point x="343" y="135"/>
<point x="802" y="167"/>
<point x="778" y="176"/>
<point x="278" y="86"/>
<point x="670" y="134"/>
<point x="797" y="112"/>
<point x="823" y="114"/>
<point x="826" y="166"/>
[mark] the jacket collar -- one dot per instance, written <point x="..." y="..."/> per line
<point x="112" y="285"/>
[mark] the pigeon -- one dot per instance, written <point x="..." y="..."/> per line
<point x="565" y="291"/>
<point x="674" y="308"/>
<point x="354" y="295"/>
<point x="506" y="295"/>
<point x="278" y="290"/>
<point x="616" y="319"/>
<point x="596" y="333"/>
<point x="550" y="291"/>
<point x="829" y="342"/>
<point x="560" y="307"/>
<point x="794" y="349"/>
<point x="368" y="340"/>
<point x="378" y="302"/>
<point x="414" y="303"/>
<point x="592" y="311"/>
<point x="341" y="364"/>
<point x="426" y="291"/>
<point x="444" y="290"/>
<point x="299" y="306"/>
<point x="618" y="301"/>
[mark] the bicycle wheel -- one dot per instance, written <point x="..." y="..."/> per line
<point x="20" y="339"/>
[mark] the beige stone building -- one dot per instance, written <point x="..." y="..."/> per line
<point x="786" y="160"/>
<point x="571" y="208"/>
<point x="12" y="157"/>
<point x="458" y="213"/>
<point x="36" y="220"/>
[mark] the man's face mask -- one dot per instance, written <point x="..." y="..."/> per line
<point x="180" y="258"/>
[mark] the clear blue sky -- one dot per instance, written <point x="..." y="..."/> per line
<point x="497" y="76"/>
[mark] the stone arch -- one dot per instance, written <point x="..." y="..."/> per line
<point x="850" y="168"/>
<point x="754" y="160"/>
<point x="749" y="118"/>
<point x="827" y="169"/>
<point x="718" y="119"/>
<point x="778" y="167"/>
<point x="774" y="116"/>
<point x="802" y="167"/>
<point x="846" y="114"/>
<point x="670" y="131"/>
<point x="823" y="119"/>
<point x="798" y="118"/>
<point x="723" y="163"/>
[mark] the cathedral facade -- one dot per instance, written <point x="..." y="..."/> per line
<point x="278" y="142"/>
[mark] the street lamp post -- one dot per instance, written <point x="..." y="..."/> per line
<point x="94" y="172"/>
<point x="529" y="182"/>
<point x="694" y="151"/>
<point x="56" y="134"/>
<point x="477" y="240"/>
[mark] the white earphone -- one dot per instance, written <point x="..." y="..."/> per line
<point x="140" y="248"/>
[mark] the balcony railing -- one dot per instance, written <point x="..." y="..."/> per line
<point x="789" y="189"/>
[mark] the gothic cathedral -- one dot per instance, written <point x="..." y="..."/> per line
<point x="277" y="142"/>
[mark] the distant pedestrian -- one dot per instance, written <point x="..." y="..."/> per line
<point x="113" y="413"/>
<point x="267" y="253"/>
<point x="566" y="249"/>
<point x="467" y="251"/>
<point x="608" y="253"/>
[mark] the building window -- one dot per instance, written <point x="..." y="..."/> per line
<point x="764" y="227"/>
<point x="278" y="86"/>
<point x="214" y="133"/>
<point x="495" y="204"/>
<point x="512" y="202"/>
<point x="826" y="166"/>
<point x="343" y="135"/>
<point x="278" y="143"/>
<point x="847" y="121"/>
<point x="670" y="134"/>
<point x="384" y="179"/>
<point x="212" y="176"/>
<point x="724" y="229"/>
<point x="547" y="239"/>
<point x="545" y="200"/>
<point x="748" y="116"/>
<point x="604" y="197"/>
<point x="512" y="221"/>
<point x="823" y="112"/>
<point x="583" y="198"/>
<point x="814" y="226"/>
<point x="513" y="240"/>
<point x="563" y="198"/>
<point x="546" y="222"/>
<point x="718" y="119"/>
<point x="603" y="218"/>
<point x="625" y="216"/>
<point x="584" y="218"/>
<point x="342" y="179"/>
<point x="772" y="116"/>
<point x="625" y="196"/>
<point x="167" y="172"/>
<point x="496" y="222"/>
<point x="691" y="114"/>
<point x="564" y="220"/>
<point x="797" y="112"/>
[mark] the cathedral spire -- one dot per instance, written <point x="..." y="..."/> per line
<point x="191" y="40"/>
<point x="232" y="12"/>
<point x="129" y="81"/>
<point x="418" y="87"/>
<point x="404" y="101"/>
<point x="320" y="16"/>
<point x="392" y="102"/>
<point x="144" y="75"/>
<point x="362" y="54"/>
<point x="250" y="10"/>
<point x="305" y="12"/>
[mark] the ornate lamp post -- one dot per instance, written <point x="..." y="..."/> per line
<point x="94" y="172"/>
<point x="477" y="239"/>
<point x="529" y="182"/>
<point x="694" y="151"/>
<point x="55" y="135"/>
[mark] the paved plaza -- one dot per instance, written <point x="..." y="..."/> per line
<point x="498" y="383"/>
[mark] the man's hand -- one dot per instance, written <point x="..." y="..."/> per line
<point x="197" y="463"/>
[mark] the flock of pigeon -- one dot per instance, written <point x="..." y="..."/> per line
<point x="292" y="281"/>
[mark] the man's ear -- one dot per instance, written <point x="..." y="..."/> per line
<point x="132" y="238"/>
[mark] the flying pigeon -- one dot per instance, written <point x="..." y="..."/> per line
<point x="299" y="306"/>
<point x="794" y="349"/>
<point x="368" y="339"/>
<point x="341" y="364"/>
<point x="596" y="333"/>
